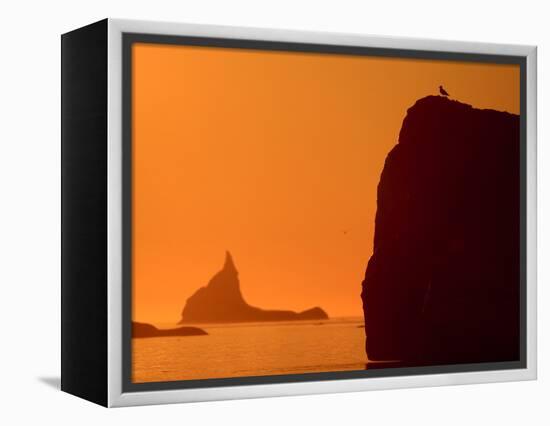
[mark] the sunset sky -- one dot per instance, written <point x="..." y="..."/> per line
<point x="275" y="157"/>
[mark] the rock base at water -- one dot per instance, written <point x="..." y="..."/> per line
<point x="140" y="329"/>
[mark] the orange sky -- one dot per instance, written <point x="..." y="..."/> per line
<point x="275" y="157"/>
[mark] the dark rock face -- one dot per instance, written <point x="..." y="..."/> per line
<point x="140" y="329"/>
<point x="442" y="285"/>
<point x="221" y="301"/>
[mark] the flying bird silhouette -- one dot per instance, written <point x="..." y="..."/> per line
<point x="443" y="91"/>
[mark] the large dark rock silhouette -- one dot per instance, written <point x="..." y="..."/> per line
<point x="221" y="301"/>
<point x="442" y="285"/>
<point x="142" y="329"/>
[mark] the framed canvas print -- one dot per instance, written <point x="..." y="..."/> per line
<point x="251" y="212"/>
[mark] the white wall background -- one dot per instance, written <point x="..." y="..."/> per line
<point x="30" y="210"/>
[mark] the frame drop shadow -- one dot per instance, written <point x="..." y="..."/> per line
<point x="51" y="381"/>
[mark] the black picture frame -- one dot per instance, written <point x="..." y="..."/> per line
<point x="96" y="110"/>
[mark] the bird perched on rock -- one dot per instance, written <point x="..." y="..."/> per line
<point x="443" y="91"/>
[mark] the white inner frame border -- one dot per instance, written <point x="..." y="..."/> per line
<point x="116" y="397"/>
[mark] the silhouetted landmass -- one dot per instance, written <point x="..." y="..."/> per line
<point x="442" y="285"/>
<point x="221" y="301"/>
<point x="140" y="329"/>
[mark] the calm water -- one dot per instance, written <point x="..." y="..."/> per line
<point x="235" y="350"/>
